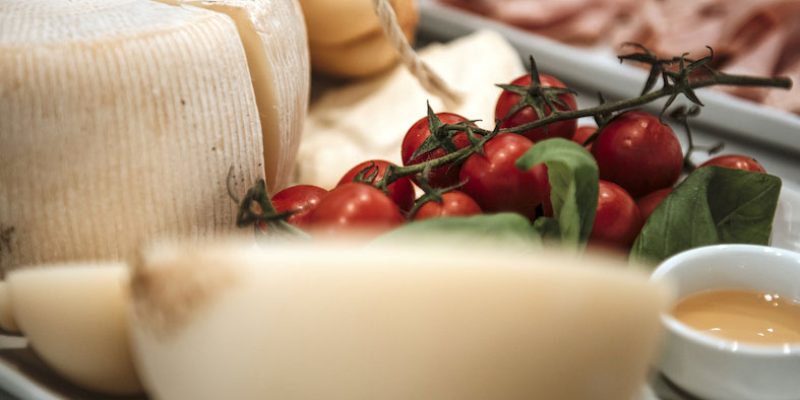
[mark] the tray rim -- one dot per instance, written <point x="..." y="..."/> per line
<point x="594" y="68"/>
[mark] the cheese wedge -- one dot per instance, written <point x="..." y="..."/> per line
<point x="74" y="318"/>
<point x="274" y="38"/>
<point x="296" y="323"/>
<point x="121" y="119"/>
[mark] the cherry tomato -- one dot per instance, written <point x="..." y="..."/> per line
<point x="618" y="220"/>
<point x="582" y="134"/>
<point x="507" y="101"/>
<point x="354" y="206"/>
<point x="649" y="203"/>
<point x="301" y="199"/>
<point x="439" y="177"/>
<point x="636" y="151"/>
<point x="454" y="203"/>
<point x="401" y="190"/>
<point x="735" y="161"/>
<point x="497" y="184"/>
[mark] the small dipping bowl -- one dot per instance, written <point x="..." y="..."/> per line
<point x="715" y="368"/>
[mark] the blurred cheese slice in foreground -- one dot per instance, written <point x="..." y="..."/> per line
<point x="74" y="318"/>
<point x="368" y="119"/>
<point x="121" y="119"/>
<point x="295" y="323"/>
<point x="7" y="321"/>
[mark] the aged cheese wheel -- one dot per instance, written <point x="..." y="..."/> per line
<point x="293" y="323"/>
<point x="274" y="38"/>
<point x="121" y="119"/>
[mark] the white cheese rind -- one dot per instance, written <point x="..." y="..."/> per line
<point x="274" y="37"/>
<point x="120" y="121"/>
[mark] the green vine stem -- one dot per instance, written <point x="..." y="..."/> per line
<point x="681" y="115"/>
<point x="721" y="79"/>
<point x="256" y="209"/>
<point x="677" y="74"/>
<point x="605" y="108"/>
<point x="431" y="194"/>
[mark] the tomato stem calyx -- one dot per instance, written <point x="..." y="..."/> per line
<point x="678" y="78"/>
<point x="681" y="114"/>
<point x="256" y="209"/>
<point x="431" y="194"/>
<point x="675" y="84"/>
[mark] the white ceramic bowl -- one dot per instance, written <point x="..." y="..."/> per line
<point x="715" y="368"/>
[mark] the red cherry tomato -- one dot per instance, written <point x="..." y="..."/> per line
<point x="454" y="203"/>
<point x="618" y="221"/>
<point x="439" y="177"/>
<point x="636" y="151"/>
<point x="497" y="184"/>
<point x="301" y="199"/>
<point x="649" y="203"/>
<point x="507" y="101"/>
<point x="354" y="206"/>
<point x="735" y="161"/>
<point x="582" y="134"/>
<point x="401" y="190"/>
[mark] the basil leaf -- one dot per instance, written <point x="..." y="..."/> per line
<point x="573" y="176"/>
<point x="486" y="228"/>
<point x="547" y="228"/>
<point x="712" y="206"/>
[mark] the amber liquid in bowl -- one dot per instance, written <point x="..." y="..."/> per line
<point x="742" y="316"/>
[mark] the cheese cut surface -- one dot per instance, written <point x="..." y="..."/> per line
<point x="368" y="119"/>
<point x="274" y="37"/>
<point x="120" y="121"/>
<point x="299" y="323"/>
<point x="74" y="316"/>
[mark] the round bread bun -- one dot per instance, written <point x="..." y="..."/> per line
<point x="367" y="55"/>
<point x="342" y="21"/>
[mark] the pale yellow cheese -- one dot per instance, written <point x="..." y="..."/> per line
<point x="121" y="119"/>
<point x="74" y="318"/>
<point x="295" y="323"/>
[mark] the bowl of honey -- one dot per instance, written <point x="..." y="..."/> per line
<point x="734" y="330"/>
